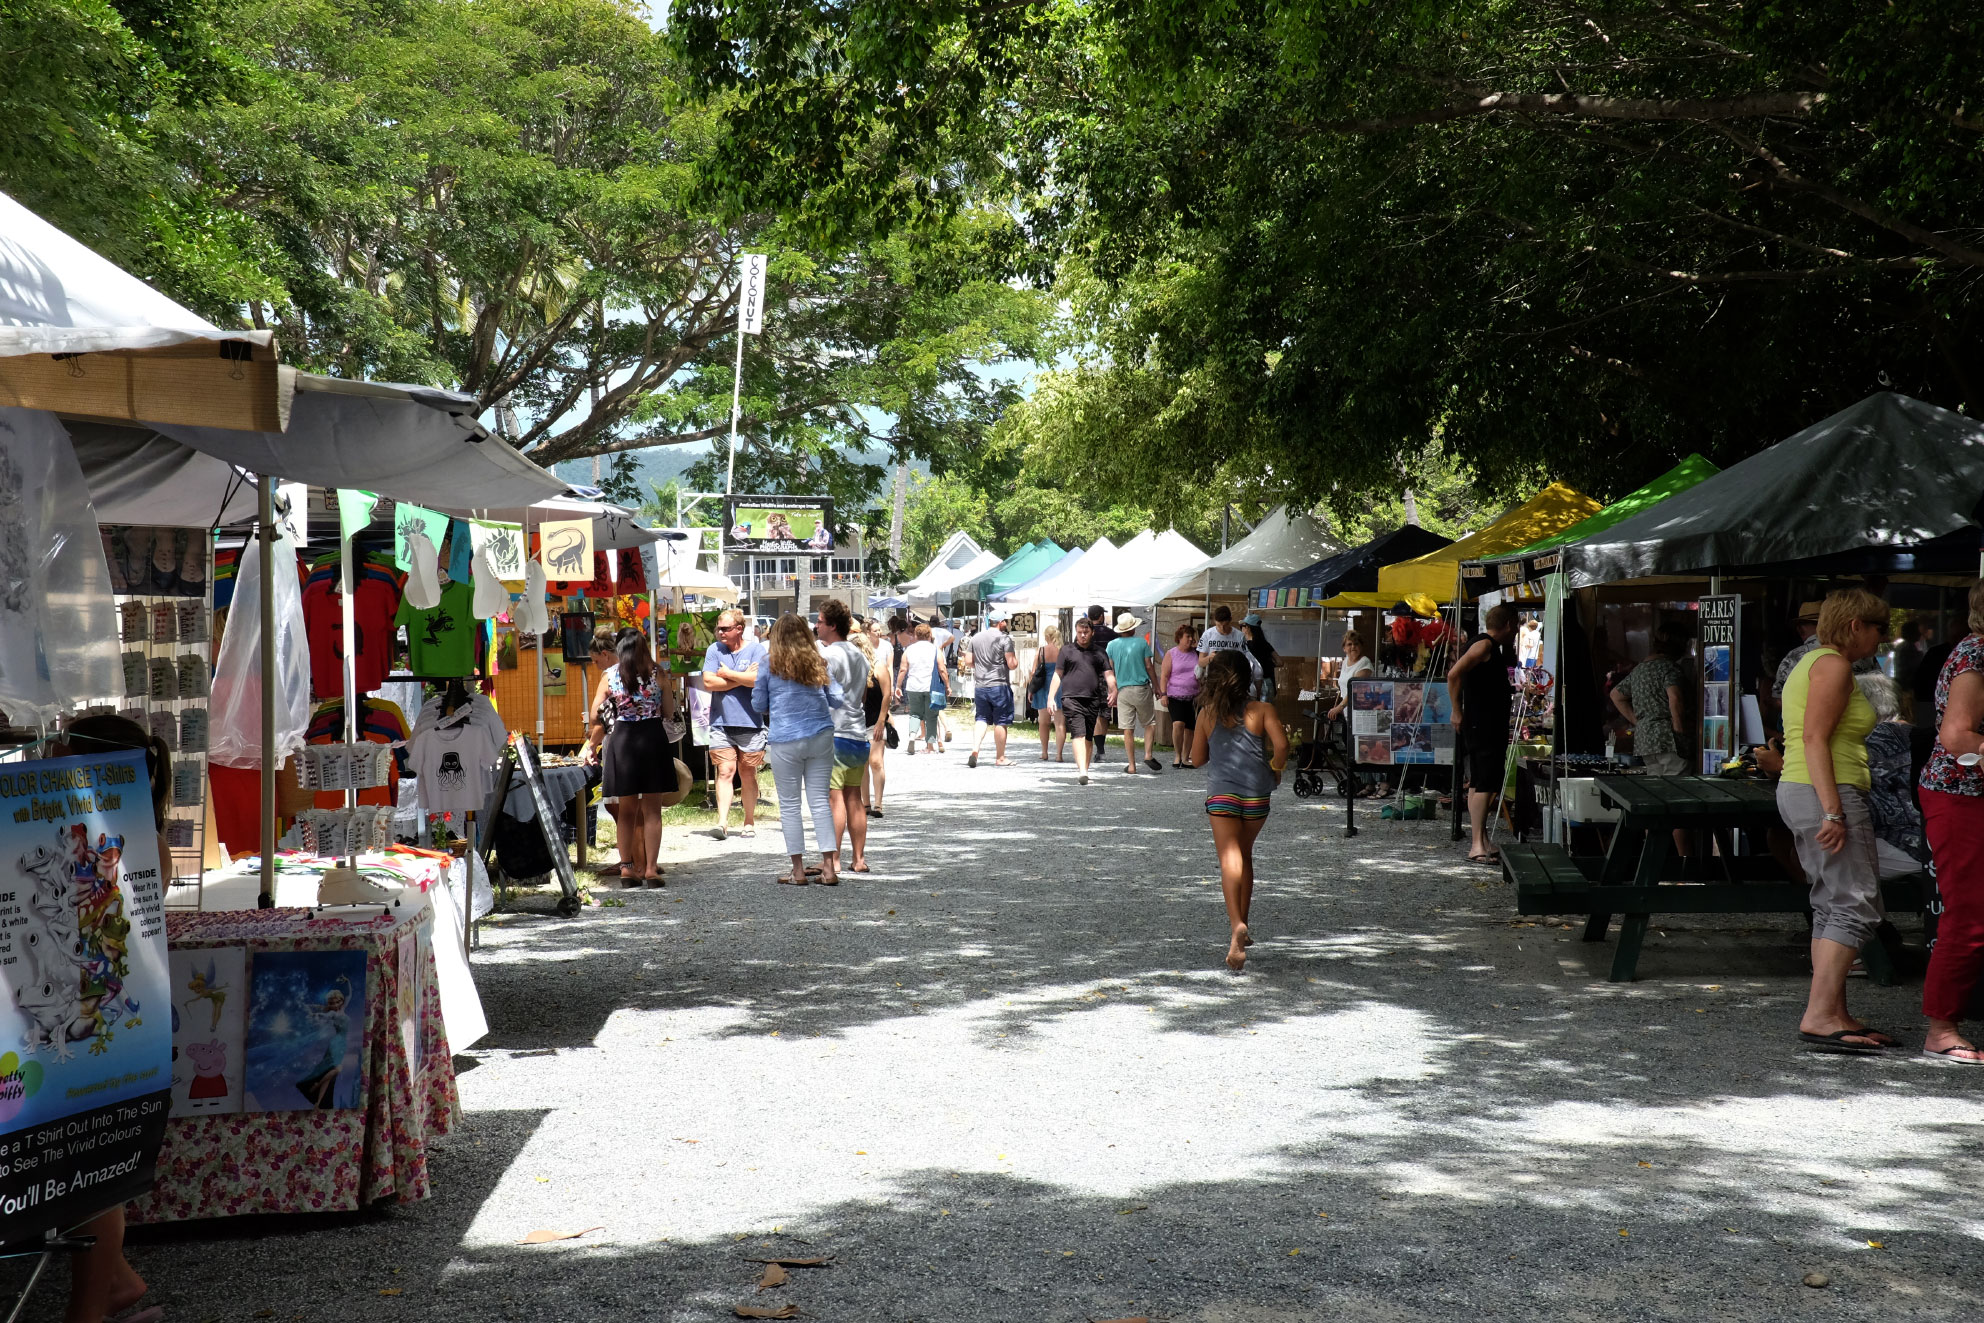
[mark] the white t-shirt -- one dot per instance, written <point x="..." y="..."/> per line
<point x="849" y="669"/>
<point x="1353" y="670"/>
<point x="456" y="766"/>
<point x="921" y="659"/>
<point x="1232" y="640"/>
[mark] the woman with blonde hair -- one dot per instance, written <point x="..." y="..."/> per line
<point x="1052" y="719"/>
<point x="1243" y="748"/>
<point x="1822" y="797"/>
<point x="796" y="699"/>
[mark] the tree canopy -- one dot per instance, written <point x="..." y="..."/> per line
<point x="503" y="196"/>
<point x="1305" y="239"/>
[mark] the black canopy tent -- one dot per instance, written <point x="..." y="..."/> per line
<point x="1356" y="570"/>
<point x="1889" y="486"/>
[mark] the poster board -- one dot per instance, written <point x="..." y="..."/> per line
<point x="1401" y="723"/>
<point x="797" y="524"/>
<point x="1720" y="691"/>
<point x="86" y="1024"/>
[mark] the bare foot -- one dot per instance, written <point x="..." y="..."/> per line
<point x="858" y="866"/>
<point x="1236" y="952"/>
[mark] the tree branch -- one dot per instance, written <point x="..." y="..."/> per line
<point x="1790" y="178"/>
<point x="1754" y="105"/>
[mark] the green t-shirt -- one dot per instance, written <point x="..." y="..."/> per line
<point x="441" y="640"/>
<point x="1127" y="656"/>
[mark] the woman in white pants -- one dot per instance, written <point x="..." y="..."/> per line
<point x="797" y="699"/>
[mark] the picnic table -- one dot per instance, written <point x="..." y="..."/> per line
<point x="1641" y="874"/>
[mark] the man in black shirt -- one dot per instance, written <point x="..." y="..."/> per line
<point x="1084" y="686"/>
<point x="1098" y="624"/>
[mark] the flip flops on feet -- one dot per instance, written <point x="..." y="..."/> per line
<point x="1976" y="1058"/>
<point x="1836" y="1042"/>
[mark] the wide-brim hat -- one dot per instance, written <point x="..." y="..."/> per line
<point x="1128" y="624"/>
<point x="684" y="780"/>
<point x="1808" y="612"/>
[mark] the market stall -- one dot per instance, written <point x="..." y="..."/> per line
<point x="120" y="620"/>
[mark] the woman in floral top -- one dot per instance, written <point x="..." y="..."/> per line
<point x="1952" y="797"/>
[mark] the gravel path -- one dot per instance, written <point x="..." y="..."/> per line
<point x="1008" y="1078"/>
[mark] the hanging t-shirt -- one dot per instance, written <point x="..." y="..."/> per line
<point x="456" y="763"/>
<point x="441" y="640"/>
<point x="380" y="722"/>
<point x="374" y="603"/>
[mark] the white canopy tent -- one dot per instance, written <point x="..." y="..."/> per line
<point x="1104" y="563"/>
<point x="59" y="297"/>
<point x="935" y="588"/>
<point x="1060" y="586"/>
<point x="1065" y="565"/>
<point x="1280" y="544"/>
<point x="958" y="551"/>
<point x="1144" y="580"/>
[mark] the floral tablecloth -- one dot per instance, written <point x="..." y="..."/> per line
<point x="318" y="1161"/>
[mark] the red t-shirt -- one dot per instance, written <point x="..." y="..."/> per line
<point x="373" y="604"/>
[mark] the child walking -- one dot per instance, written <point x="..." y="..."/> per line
<point x="1243" y="748"/>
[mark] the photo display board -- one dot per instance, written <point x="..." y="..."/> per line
<point x="778" y="523"/>
<point x="1720" y="690"/>
<point x="1401" y="722"/>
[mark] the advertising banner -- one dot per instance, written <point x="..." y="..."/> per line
<point x="86" y="1023"/>
<point x="1720" y="687"/>
<point x="778" y="523"/>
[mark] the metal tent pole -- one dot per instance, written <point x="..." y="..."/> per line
<point x="265" y="502"/>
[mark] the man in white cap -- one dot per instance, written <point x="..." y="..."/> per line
<point x="992" y="663"/>
<point x="1130" y="656"/>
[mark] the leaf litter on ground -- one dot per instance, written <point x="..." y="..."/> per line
<point x="544" y="1236"/>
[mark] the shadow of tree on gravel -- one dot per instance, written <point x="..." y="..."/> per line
<point x="1477" y="1113"/>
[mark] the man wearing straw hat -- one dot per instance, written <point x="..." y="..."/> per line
<point x="1130" y="655"/>
<point x="1808" y="633"/>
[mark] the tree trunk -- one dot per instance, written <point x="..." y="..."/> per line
<point x="895" y="515"/>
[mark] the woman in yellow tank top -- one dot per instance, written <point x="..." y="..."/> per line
<point x="1823" y="800"/>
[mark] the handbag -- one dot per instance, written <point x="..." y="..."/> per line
<point x="890" y="739"/>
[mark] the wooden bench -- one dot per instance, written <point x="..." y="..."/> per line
<point x="1549" y="881"/>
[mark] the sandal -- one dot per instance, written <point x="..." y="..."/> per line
<point x="1836" y="1043"/>
<point x="1493" y="859"/>
<point x="656" y="881"/>
<point x="785" y="879"/>
<point x="874" y="813"/>
<point x="1950" y="1054"/>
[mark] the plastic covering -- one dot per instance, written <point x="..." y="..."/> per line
<point x="58" y="622"/>
<point x="491" y="597"/>
<point x="532" y="617"/>
<point x="423" y="576"/>
<point x="235" y="729"/>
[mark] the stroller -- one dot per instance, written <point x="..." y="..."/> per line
<point x="1324" y="757"/>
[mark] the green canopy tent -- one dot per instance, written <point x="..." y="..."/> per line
<point x="1026" y="563"/>
<point x="1528" y="563"/>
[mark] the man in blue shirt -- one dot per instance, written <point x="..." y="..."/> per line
<point x="731" y="669"/>
<point x="1130" y="655"/>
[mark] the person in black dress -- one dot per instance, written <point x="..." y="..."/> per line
<point x="1483" y="700"/>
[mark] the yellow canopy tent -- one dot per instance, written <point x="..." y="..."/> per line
<point x="1419" y="602"/>
<point x="1435" y="574"/>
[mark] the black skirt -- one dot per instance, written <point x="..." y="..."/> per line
<point x="640" y="759"/>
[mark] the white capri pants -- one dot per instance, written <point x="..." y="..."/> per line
<point x="804" y="763"/>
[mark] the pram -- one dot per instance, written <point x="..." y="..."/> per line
<point x="1324" y="757"/>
